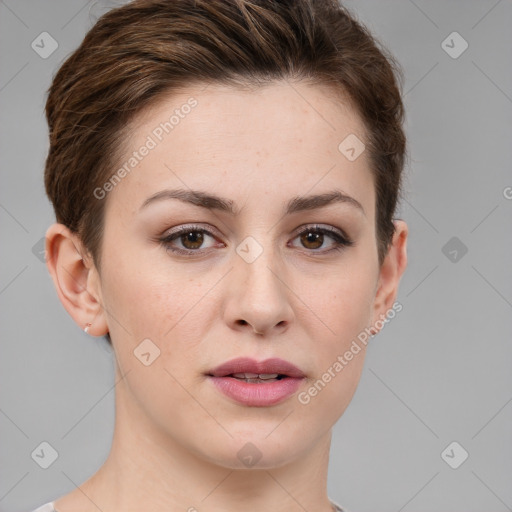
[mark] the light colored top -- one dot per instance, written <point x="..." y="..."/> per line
<point x="48" y="507"/>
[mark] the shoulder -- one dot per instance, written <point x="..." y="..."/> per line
<point x="47" y="507"/>
<point x="337" y="507"/>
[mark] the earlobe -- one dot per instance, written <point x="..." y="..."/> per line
<point x="390" y="274"/>
<point x="71" y="277"/>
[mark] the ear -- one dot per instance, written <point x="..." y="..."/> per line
<point x="390" y="273"/>
<point x="76" y="279"/>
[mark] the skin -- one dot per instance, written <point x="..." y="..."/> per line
<point x="176" y="437"/>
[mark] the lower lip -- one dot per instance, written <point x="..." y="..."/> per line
<point x="257" y="394"/>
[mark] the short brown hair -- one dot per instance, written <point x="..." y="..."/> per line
<point x="145" y="49"/>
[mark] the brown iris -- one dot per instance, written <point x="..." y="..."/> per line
<point x="192" y="237"/>
<point x="309" y="237"/>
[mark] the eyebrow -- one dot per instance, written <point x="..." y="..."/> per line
<point x="213" y="202"/>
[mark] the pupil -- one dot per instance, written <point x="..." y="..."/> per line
<point x="315" y="238"/>
<point x="193" y="237"/>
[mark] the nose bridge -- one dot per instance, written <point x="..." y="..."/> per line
<point x="258" y="262"/>
<point x="259" y="297"/>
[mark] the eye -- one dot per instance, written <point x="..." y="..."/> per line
<point x="313" y="238"/>
<point x="192" y="240"/>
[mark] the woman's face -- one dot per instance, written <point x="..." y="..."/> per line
<point x="260" y="272"/>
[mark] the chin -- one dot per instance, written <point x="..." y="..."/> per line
<point x="254" y="451"/>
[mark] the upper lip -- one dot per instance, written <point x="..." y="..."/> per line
<point x="248" y="365"/>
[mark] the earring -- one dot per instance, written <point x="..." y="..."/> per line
<point x="86" y="330"/>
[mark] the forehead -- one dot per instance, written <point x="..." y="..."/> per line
<point x="284" y="136"/>
<point x="274" y="107"/>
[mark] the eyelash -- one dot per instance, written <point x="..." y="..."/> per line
<point x="340" y="241"/>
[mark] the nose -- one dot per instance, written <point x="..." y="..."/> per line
<point x="258" y="296"/>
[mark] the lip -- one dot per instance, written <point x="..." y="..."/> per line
<point x="248" y="365"/>
<point x="257" y="394"/>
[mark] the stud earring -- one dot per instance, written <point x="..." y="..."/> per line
<point x="86" y="330"/>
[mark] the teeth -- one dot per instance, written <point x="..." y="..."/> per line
<point x="245" y="375"/>
<point x="263" y="376"/>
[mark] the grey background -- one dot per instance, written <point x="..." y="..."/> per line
<point x="439" y="372"/>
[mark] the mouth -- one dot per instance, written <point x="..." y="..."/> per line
<point x="260" y="371"/>
<point x="256" y="378"/>
<point x="252" y="383"/>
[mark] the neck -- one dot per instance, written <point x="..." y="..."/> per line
<point x="148" y="470"/>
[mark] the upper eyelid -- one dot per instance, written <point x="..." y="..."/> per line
<point x="319" y="226"/>
<point x="191" y="227"/>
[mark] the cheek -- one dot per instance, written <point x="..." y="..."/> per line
<point x="340" y="304"/>
<point x="149" y="299"/>
<point x="339" y="313"/>
<point x="339" y="348"/>
<point x="327" y="397"/>
<point x="151" y="311"/>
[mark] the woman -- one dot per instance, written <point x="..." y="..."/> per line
<point x="224" y="176"/>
